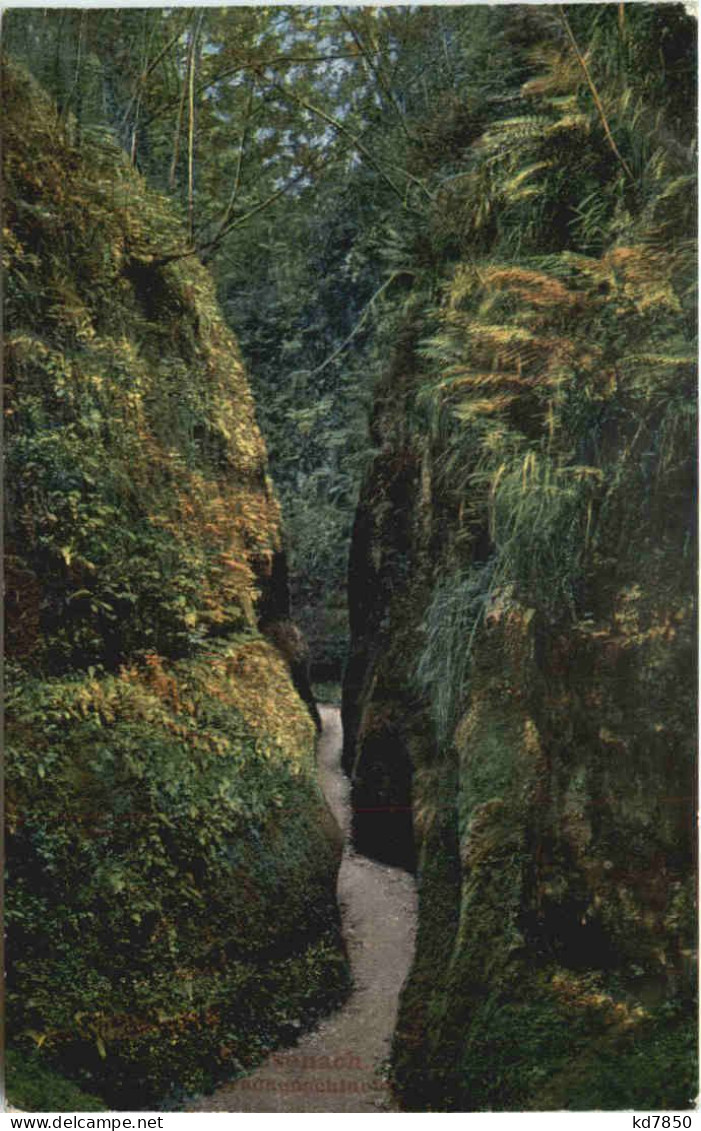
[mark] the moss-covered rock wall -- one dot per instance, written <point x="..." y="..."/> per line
<point x="171" y="863"/>
<point x="522" y="669"/>
<point x="552" y="818"/>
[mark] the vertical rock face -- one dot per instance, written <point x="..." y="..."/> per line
<point x="522" y="674"/>
<point x="379" y="717"/>
<point x="171" y="894"/>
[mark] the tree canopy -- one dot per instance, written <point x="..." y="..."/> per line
<point x="332" y="163"/>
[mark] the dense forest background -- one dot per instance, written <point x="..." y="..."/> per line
<point x="327" y="165"/>
<point x="452" y="251"/>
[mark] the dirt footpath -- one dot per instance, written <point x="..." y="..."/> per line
<point x="339" y="1066"/>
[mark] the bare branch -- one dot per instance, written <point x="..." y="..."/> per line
<point x="256" y="65"/>
<point x="181" y="114"/>
<point x="239" y="163"/>
<point x="358" y="326"/>
<point x="384" y="86"/>
<point x="342" y="128"/>
<point x="206" y="250"/>
<point x="595" y="94"/>
<point x="148" y="70"/>
<point x="191" y="127"/>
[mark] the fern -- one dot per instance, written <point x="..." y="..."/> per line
<point x="450" y="627"/>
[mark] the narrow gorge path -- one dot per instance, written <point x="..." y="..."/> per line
<point x="338" y="1066"/>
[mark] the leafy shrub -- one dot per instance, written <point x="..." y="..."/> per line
<point x="167" y="818"/>
<point x="31" y="1086"/>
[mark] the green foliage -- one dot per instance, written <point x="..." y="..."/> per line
<point x="659" y="1069"/>
<point x="452" y="621"/>
<point x="138" y="503"/>
<point x="546" y="1037"/>
<point x="316" y="146"/>
<point x="327" y="693"/>
<point x="561" y="383"/>
<point x="160" y="780"/>
<point x="540" y="528"/>
<point x="31" y="1086"/>
<point x="166" y="820"/>
<point x="536" y="1055"/>
<point x="514" y="186"/>
<point x="546" y="542"/>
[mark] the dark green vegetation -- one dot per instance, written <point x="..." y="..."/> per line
<point x="522" y="583"/>
<point x="313" y="155"/>
<point x="474" y="228"/>
<point x="36" y="1088"/>
<point x="171" y="865"/>
<point x="220" y="110"/>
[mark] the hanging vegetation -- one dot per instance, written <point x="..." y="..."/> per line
<point x="456" y="246"/>
<point x="171" y="880"/>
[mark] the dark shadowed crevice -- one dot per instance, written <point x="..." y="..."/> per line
<point x="381" y="795"/>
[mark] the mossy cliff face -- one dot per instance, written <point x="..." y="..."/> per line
<point x="522" y="675"/>
<point x="171" y="864"/>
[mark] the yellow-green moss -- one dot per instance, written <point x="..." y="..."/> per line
<point x="171" y="910"/>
